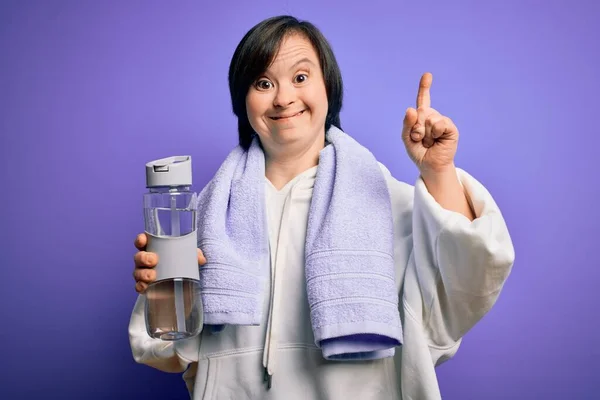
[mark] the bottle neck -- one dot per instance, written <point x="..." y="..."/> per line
<point x="169" y="189"/>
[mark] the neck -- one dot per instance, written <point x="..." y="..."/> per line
<point x="283" y="166"/>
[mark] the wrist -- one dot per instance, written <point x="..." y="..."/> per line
<point x="445" y="187"/>
<point x="440" y="175"/>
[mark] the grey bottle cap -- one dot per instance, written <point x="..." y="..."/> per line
<point x="170" y="171"/>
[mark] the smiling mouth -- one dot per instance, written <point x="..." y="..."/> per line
<point x="288" y="117"/>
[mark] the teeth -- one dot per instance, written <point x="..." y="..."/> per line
<point x="276" y="118"/>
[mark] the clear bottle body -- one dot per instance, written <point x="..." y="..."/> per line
<point x="173" y="309"/>
<point x="173" y="304"/>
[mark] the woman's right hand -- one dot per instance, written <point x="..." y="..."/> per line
<point x="145" y="261"/>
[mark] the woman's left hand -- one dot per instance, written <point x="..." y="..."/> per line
<point x="431" y="139"/>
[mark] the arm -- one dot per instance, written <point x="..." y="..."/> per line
<point x="461" y="249"/>
<point x="461" y="264"/>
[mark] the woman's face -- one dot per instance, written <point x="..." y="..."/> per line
<point x="287" y="105"/>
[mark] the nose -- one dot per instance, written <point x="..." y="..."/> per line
<point x="285" y="95"/>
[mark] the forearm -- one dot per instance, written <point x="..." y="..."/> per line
<point x="447" y="191"/>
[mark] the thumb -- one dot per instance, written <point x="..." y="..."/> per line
<point x="201" y="258"/>
<point x="410" y="119"/>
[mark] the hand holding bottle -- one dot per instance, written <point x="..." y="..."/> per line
<point x="145" y="261"/>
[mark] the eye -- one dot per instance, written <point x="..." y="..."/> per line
<point x="263" y="84"/>
<point x="300" y="78"/>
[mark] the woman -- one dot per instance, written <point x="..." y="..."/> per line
<point x="451" y="249"/>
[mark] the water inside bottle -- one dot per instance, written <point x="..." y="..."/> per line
<point x="173" y="309"/>
<point x="163" y="221"/>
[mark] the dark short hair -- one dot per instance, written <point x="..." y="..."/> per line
<point x="255" y="53"/>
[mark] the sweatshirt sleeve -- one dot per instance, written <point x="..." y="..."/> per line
<point x="155" y="353"/>
<point x="461" y="265"/>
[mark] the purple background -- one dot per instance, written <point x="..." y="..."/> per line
<point x="91" y="91"/>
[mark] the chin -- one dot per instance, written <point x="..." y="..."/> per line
<point x="290" y="132"/>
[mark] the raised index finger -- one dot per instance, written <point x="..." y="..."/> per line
<point x="423" y="97"/>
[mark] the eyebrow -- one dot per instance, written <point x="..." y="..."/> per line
<point x="302" y="60"/>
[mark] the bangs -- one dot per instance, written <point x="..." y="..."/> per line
<point x="259" y="52"/>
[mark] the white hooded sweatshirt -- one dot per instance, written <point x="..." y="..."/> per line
<point x="449" y="273"/>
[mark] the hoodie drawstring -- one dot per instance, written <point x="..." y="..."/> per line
<point x="277" y="272"/>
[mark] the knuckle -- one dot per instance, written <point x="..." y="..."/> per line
<point x="418" y="128"/>
<point x="150" y="275"/>
<point x="451" y="123"/>
<point x="150" y="259"/>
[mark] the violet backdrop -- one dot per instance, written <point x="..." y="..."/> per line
<point x="91" y="91"/>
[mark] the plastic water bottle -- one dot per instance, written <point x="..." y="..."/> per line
<point x="173" y="301"/>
